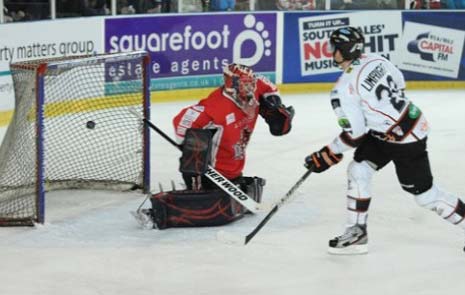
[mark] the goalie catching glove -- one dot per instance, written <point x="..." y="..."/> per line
<point x="323" y="159"/>
<point x="276" y="115"/>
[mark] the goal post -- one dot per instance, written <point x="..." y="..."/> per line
<point x="72" y="129"/>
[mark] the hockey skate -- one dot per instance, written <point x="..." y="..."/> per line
<point x="353" y="241"/>
<point x="143" y="218"/>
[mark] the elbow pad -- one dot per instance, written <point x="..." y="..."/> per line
<point x="276" y="115"/>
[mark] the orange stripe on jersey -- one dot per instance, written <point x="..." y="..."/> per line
<point x="401" y="117"/>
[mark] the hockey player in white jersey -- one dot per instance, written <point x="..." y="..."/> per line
<point x="379" y="120"/>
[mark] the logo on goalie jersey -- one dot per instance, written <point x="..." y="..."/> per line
<point x="230" y="118"/>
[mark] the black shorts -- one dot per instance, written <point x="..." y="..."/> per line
<point x="410" y="160"/>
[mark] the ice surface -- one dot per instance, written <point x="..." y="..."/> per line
<point x="91" y="244"/>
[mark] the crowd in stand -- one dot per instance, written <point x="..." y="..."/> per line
<point x="24" y="10"/>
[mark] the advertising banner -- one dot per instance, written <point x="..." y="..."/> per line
<point x="433" y="46"/>
<point x="310" y="35"/>
<point x="424" y="45"/>
<point x="190" y="51"/>
<point x="45" y="39"/>
<point x="431" y="49"/>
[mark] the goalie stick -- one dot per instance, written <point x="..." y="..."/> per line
<point x="222" y="182"/>
<point x="235" y="239"/>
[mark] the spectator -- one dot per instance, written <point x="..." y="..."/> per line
<point x="456" y="4"/>
<point x="125" y="7"/>
<point x="94" y="7"/>
<point x="151" y="6"/>
<point x="346" y="4"/>
<point x="388" y="4"/>
<point x="222" y="5"/>
<point x="6" y="16"/>
<point x="416" y="4"/>
<point x="68" y="8"/>
<point x="426" y="4"/>
<point x="13" y="16"/>
<point x="166" y="6"/>
<point x="265" y="5"/>
<point x="205" y="5"/>
<point x="295" y="4"/>
<point x="365" y="4"/>
<point x="75" y="8"/>
<point x="19" y="10"/>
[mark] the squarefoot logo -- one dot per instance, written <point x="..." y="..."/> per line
<point x="189" y="45"/>
<point x="256" y="33"/>
<point x="431" y="47"/>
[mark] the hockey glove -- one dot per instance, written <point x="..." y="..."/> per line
<point x="323" y="159"/>
<point x="276" y="115"/>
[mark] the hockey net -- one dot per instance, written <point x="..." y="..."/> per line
<point x="72" y="129"/>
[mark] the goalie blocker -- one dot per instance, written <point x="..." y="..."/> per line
<point x="190" y="208"/>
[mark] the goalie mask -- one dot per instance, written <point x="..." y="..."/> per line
<point x="240" y="84"/>
<point x="349" y="41"/>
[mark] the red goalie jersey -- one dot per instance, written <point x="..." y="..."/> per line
<point x="233" y="119"/>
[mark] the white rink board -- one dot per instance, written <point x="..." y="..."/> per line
<point x="45" y="39"/>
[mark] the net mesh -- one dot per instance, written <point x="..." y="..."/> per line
<point x="90" y="139"/>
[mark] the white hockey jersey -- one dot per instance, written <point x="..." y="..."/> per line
<point x="369" y="97"/>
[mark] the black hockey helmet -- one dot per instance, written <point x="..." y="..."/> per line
<point x="349" y="41"/>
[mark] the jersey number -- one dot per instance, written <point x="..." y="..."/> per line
<point x="393" y="93"/>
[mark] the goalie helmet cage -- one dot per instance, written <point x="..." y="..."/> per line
<point x="72" y="129"/>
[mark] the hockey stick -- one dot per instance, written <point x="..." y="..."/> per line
<point x="225" y="237"/>
<point x="222" y="182"/>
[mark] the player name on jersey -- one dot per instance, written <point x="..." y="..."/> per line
<point x="373" y="77"/>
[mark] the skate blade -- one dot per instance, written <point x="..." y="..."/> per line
<point x="144" y="221"/>
<point x="350" y="250"/>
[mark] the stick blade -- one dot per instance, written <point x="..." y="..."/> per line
<point x="230" y="238"/>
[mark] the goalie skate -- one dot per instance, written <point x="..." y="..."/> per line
<point x="143" y="218"/>
<point x="353" y="241"/>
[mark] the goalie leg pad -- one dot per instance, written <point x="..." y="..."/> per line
<point x="188" y="208"/>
